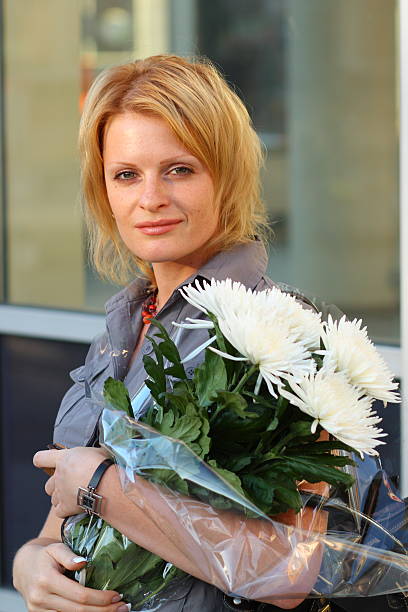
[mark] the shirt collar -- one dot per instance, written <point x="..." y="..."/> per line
<point x="245" y="263"/>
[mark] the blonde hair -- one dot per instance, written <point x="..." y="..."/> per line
<point x="211" y="122"/>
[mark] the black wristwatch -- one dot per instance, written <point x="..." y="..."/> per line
<point x="87" y="499"/>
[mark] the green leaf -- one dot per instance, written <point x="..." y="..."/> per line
<point x="301" y="429"/>
<point x="154" y="371"/>
<point x="230" y="477"/>
<point x="169" y="351"/>
<point x="273" y="424"/>
<point x="116" y="394"/>
<point x="317" y="471"/>
<point x="233" y="403"/>
<point x="232" y="368"/>
<point x="317" y="448"/>
<point x="156" y="391"/>
<point x="169" y="478"/>
<point x="154" y="415"/>
<point x="167" y="423"/>
<point x="214" y="499"/>
<point x="289" y="496"/>
<point x="282" y="404"/>
<point x="325" y="459"/>
<point x="186" y="428"/>
<point x="209" y="377"/>
<point x="167" y="348"/>
<point x="204" y="441"/>
<point x="259" y="489"/>
<point x="232" y="435"/>
<point x="157" y="352"/>
<point x="178" y="399"/>
<point x="177" y="371"/>
<point x="236" y="464"/>
<point x="268" y="402"/>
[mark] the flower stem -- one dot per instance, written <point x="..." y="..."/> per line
<point x="276" y="449"/>
<point x="166" y="580"/>
<point x="281" y="406"/>
<point x="245" y="377"/>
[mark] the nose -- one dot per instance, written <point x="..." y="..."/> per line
<point x="153" y="194"/>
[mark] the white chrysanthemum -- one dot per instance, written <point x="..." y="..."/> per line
<point x="268" y="344"/>
<point x="216" y="296"/>
<point x="348" y="349"/>
<point x="339" y="408"/>
<point x="212" y="297"/>
<point x="267" y="328"/>
<point x="303" y="322"/>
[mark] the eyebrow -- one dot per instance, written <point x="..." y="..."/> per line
<point x="173" y="159"/>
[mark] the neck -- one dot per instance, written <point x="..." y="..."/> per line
<point x="169" y="275"/>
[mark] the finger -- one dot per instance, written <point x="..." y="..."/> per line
<point x="54" y="500"/>
<point x="56" y="602"/>
<point x="71" y="590"/>
<point x="50" y="486"/>
<point x="46" y="458"/>
<point x="64" y="605"/>
<point x="71" y="596"/>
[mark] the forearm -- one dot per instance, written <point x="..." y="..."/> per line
<point x="163" y="528"/>
<point x="251" y="557"/>
<point x="137" y="524"/>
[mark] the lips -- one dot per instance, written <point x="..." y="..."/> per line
<point x="154" y="228"/>
<point x="158" y="223"/>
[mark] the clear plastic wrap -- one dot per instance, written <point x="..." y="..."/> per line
<point x="331" y="548"/>
<point x="339" y="544"/>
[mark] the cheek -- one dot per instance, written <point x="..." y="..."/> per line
<point x="119" y="205"/>
<point x="211" y="217"/>
<point x="206" y="212"/>
<point x="205" y="219"/>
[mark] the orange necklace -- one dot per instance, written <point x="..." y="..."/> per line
<point x="149" y="308"/>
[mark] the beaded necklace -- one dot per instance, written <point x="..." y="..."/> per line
<point x="149" y="308"/>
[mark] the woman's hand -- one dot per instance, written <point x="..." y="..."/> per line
<point x="39" y="576"/>
<point x="73" y="468"/>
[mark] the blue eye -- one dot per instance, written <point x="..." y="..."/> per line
<point x="125" y="175"/>
<point x="181" y="170"/>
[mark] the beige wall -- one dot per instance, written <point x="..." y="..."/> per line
<point x="45" y="259"/>
<point x="343" y="155"/>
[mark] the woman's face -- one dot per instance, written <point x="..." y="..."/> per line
<point x="162" y="197"/>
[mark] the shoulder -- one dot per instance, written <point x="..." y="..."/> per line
<point x="245" y="263"/>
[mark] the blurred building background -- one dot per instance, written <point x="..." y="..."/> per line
<point x="321" y="80"/>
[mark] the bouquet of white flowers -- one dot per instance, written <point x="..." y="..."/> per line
<point x="243" y="437"/>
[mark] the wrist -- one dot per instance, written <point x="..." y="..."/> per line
<point x="89" y="499"/>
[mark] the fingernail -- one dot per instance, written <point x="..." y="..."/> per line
<point x="78" y="560"/>
<point x="117" y="598"/>
<point x="124" y="608"/>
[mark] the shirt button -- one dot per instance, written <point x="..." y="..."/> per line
<point x="147" y="348"/>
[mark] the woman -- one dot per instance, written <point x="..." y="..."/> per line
<point x="170" y="175"/>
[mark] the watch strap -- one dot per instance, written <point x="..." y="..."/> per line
<point x="88" y="499"/>
<point x="99" y="472"/>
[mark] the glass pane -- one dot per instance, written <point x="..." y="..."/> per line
<point x="319" y="81"/>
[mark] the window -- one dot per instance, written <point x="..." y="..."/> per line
<point x="319" y="81"/>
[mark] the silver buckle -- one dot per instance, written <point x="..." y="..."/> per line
<point x="89" y="501"/>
